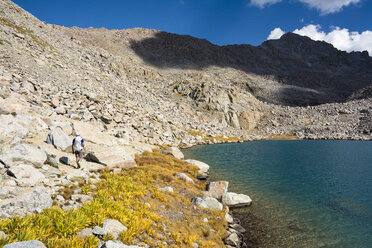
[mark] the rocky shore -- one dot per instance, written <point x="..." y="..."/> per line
<point x="39" y="180"/>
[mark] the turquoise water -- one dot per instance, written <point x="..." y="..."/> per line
<point x="306" y="193"/>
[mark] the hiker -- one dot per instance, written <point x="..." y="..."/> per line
<point x="77" y="148"/>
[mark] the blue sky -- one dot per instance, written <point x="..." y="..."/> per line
<point x="219" y="21"/>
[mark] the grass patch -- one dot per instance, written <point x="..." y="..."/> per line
<point x="171" y="217"/>
<point x="219" y="138"/>
<point x="222" y="139"/>
<point x="27" y="32"/>
<point x="282" y="136"/>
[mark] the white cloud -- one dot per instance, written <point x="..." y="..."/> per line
<point x="342" y="39"/>
<point x="312" y="31"/>
<point x="263" y="3"/>
<point x="324" y="6"/>
<point x="329" y="6"/>
<point x="276" y="34"/>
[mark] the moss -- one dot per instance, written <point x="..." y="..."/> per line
<point x="122" y="196"/>
<point x="27" y="32"/>
<point x="1" y="42"/>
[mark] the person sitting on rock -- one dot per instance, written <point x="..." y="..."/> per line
<point x="77" y="148"/>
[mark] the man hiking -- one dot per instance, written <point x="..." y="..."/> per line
<point x="77" y="148"/>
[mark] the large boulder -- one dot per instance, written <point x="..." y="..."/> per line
<point x="218" y="189"/>
<point x="14" y="104"/>
<point x="113" y="227"/>
<point x="29" y="202"/>
<point x="173" y="151"/>
<point x="207" y="202"/>
<point x="203" y="167"/>
<point x="11" y="126"/>
<point x="92" y="133"/>
<point x="26" y="244"/>
<point x="59" y="139"/>
<point x="26" y="174"/>
<point x="65" y="125"/>
<point x="25" y="153"/>
<point x="114" y="156"/>
<point x="236" y="200"/>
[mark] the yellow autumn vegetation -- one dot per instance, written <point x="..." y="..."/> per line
<point x="152" y="216"/>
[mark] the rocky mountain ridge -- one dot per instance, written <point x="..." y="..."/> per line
<point x="155" y="83"/>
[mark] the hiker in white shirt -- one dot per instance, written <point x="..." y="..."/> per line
<point x="77" y="148"/>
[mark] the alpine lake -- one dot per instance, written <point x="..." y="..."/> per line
<point x="306" y="193"/>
